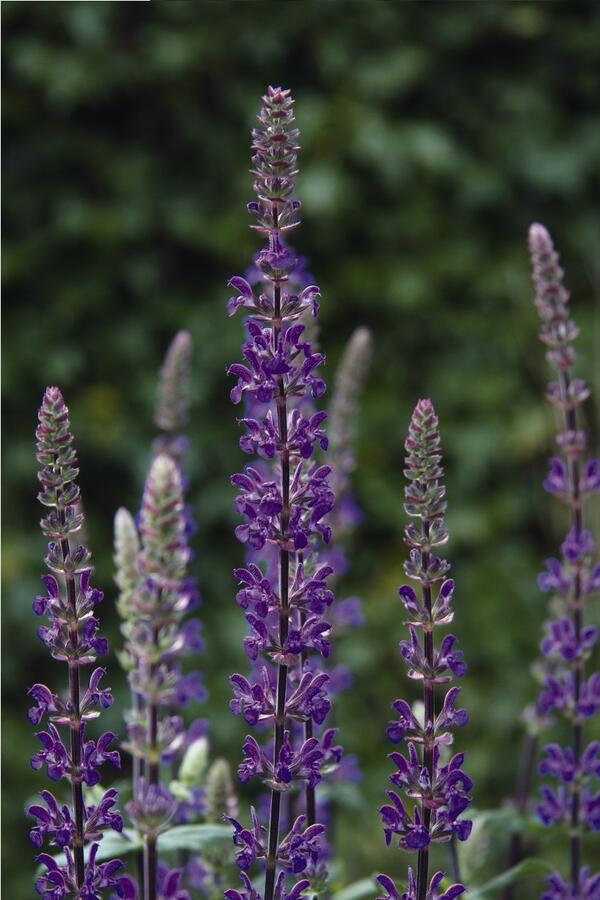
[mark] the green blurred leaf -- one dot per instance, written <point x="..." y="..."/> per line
<point x="525" y="869"/>
<point x="112" y="846"/>
<point x="194" y="837"/>
<point x="366" y="887"/>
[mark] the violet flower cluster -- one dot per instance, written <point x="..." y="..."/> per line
<point x="284" y="506"/>
<point x="71" y="635"/>
<point x="438" y="788"/>
<point x="572" y="579"/>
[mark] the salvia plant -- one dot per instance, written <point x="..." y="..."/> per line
<point x="438" y="787"/>
<point x="568" y="690"/>
<point x="156" y="595"/>
<point x="297" y="516"/>
<point x="284" y="506"/>
<point x="67" y="751"/>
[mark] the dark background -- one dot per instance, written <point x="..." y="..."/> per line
<point x="433" y="134"/>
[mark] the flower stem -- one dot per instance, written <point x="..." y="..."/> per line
<point x="310" y="796"/>
<point x="284" y="575"/>
<point x="454" y="861"/>
<point x="152" y="773"/>
<point x="429" y="700"/>
<point x="577" y="523"/>
<point x="74" y="695"/>
<point x="515" y="850"/>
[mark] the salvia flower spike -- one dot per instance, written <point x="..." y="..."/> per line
<point x="284" y="507"/>
<point x="71" y="636"/>
<point x="156" y="596"/>
<point x="349" y="379"/>
<point x="436" y="789"/>
<point x="567" y="688"/>
<point x="172" y="397"/>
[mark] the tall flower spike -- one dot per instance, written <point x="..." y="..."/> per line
<point x="155" y="596"/>
<point x="172" y="397"/>
<point x="157" y="639"/>
<point x="285" y="505"/>
<point x="572" y="579"/>
<point x="71" y="637"/>
<point x="439" y="786"/>
<point x="349" y="379"/>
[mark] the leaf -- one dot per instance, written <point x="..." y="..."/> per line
<point x="345" y="794"/>
<point x="112" y="846"/>
<point x="194" y="837"/>
<point x="504" y="819"/>
<point x="181" y="837"/>
<point x="525" y="869"/>
<point x="366" y="887"/>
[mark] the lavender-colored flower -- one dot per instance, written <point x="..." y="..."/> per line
<point x="285" y="502"/>
<point x="439" y="790"/>
<point x="568" y="641"/>
<point x="71" y="636"/>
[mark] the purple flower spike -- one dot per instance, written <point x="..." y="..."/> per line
<point x="439" y="790"/>
<point x="285" y="502"/>
<point x="71" y="636"/>
<point x="572" y="579"/>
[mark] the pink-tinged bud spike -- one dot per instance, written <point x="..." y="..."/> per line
<point x="424" y="493"/>
<point x="172" y="397"/>
<point x="162" y="524"/>
<point x="127" y="548"/>
<point x="349" y="381"/>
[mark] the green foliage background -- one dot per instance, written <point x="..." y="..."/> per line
<point x="433" y="134"/>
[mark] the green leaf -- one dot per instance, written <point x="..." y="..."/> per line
<point x="181" y="837"/>
<point x="525" y="869"/>
<point x="112" y="846"/>
<point x="366" y="887"/>
<point x="194" y="837"/>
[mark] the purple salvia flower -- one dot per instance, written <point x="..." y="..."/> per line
<point x="437" y="792"/>
<point x="568" y="641"/>
<point x="71" y="636"/>
<point x="285" y="502"/>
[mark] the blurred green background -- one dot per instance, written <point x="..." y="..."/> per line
<point x="433" y="134"/>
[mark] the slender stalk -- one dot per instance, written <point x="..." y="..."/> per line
<point x="153" y="774"/>
<point x="429" y="701"/>
<point x="454" y="862"/>
<point x="75" y="727"/>
<point x="310" y="795"/>
<point x="570" y="420"/>
<point x="284" y="575"/>
<point x="515" y="849"/>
